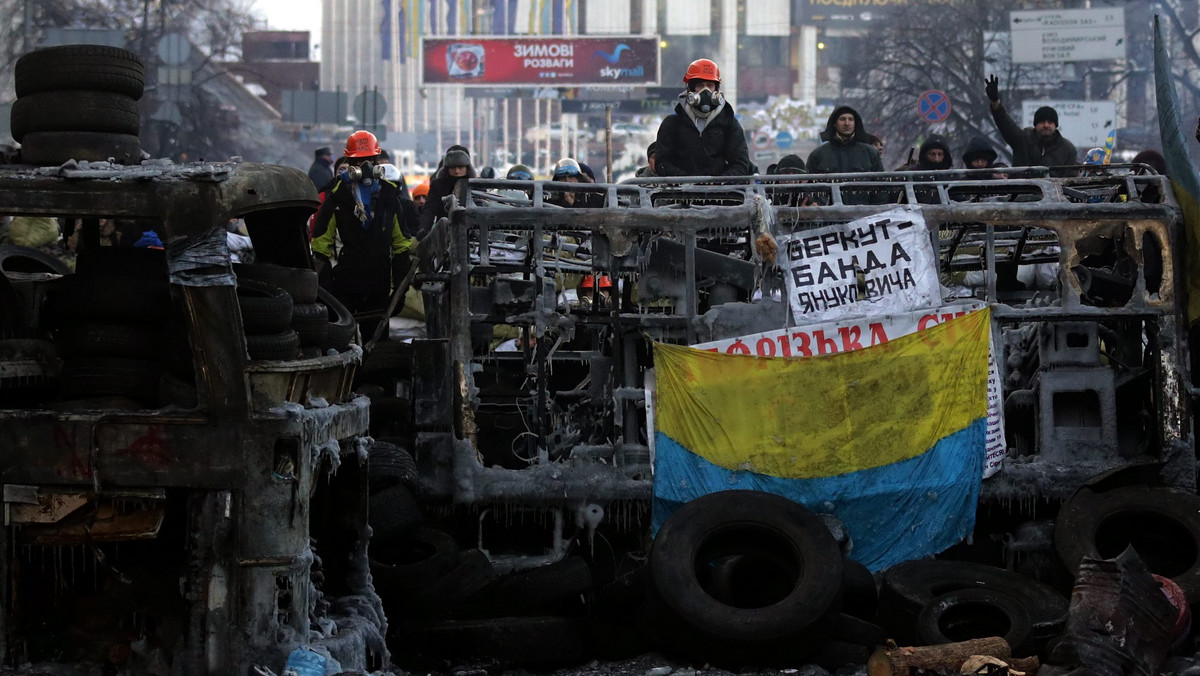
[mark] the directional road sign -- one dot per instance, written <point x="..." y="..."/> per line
<point x="784" y="140"/>
<point x="762" y="140"/>
<point x="933" y="106"/>
<point x="1042" y="36"/>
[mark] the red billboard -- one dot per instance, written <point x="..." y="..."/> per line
<point x="540" y="61"/>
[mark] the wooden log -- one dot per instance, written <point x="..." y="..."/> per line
<point x="891" y="660"/>
<point x="1029" y="665"/>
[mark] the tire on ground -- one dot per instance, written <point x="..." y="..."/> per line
<point x="388" y="465"/>
<point x="311" y="323"/>
<point x="61" y="111"/>
<point x="266" y="309"/>
<point x="393" y="513"/>
<point x="273" y="347"/>
<point x="94" y="67"/>
<point x="795" y="541"/>
<point x="538" y="591"/>
<point x="450" y="592"/>
<point x="300" y="283"/>
<point x="860" y="596"/>
<point x="403" y="565"/>
<point x="975" y="613"/>
<point x="342" y="326"/>
<point x="1162" y="524"/>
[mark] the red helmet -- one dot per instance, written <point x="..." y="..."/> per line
<point x="605" y="282"/>
<point x="362" y="143"/>
<point x="588" y="282"/>
<point x="702" y="69"/>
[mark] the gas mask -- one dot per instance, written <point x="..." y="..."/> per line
<point x="705" y="101"/>
<point x="365" y="172"/>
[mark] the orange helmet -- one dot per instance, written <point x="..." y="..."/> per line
<point x="588" y="282"/>
<point x="605" y="282"/>
<point x="362" y="143"/>
<point x="421" y="190"/>
<point x="702" y="69"/>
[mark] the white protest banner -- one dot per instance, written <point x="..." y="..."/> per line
<point x="860" y="332"/>
<point x="874" y="265"/>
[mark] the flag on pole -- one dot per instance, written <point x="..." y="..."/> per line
<point x="1182" y="171"/>
<point x="385" y="31"/>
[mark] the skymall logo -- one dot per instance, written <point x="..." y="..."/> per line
<point x="616" y="53"/>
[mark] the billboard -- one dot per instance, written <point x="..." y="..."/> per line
<point x="540" y="61"/>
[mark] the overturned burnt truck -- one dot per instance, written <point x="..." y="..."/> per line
<point x="541" y="452"/>
<point x="183" y="461"/>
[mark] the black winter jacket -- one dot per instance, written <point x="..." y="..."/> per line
<point x="440" y="186"/>
<point x="1028" y="149"/>
<point x="720" y="150"/>
<point x="365" y="259"/>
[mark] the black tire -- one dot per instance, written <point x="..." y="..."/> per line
<point x="95" y="67"/>
<point x="623" y="597"/>
<point x="393" y="513"/>
<point x="49" y="148"/>
<point x="266" y="309"/>
<point x="275" y="347"/>
<point x="850" y="629"/>
<point x="1162" y="524"/>
<point x="27" y="259"/>
<point x="300" y="284"/>
<point x="860" y="596"/>
<point x="388" y="465"/>
<point x="12" y="312"/>
<point x="906" y="588"/>
<point x="450" y="592"/>
<point x="544" y="590"/>
<point x="109" y="298"/>
<point x="402" y="566"/>
<point x="311" y="323"/>
<point x="108" y="339"/>
<point x="74" y="111"/>
<point x="110" y="376"/>
<point x="342" y="327"/>
<point x="975" y="613"/>
<point x="835" y="656"/>
<point x="28" y="369"/>
<point x="726" y="523"/>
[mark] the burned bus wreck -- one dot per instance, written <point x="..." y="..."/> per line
<point x="542" y="450"/>
<point x="184" y="488"/>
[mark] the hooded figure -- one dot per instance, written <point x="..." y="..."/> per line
<point x="321" y="170"/>
<point x="979" y="154"/>
<point x="455" y="164"/>
<point x="846" y="148"/>
<point x="934" y="154"/>
<point x="702" y="137"/>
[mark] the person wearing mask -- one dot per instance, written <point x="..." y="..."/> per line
<point x="702" y="137"/>
<point x="455" y="165"/>
<point x="845" y="149"/>
<point x="979" y="154"/>
<point x="1041" y="145"/>
<point x="364" y="229"/>
<point x="321" y="170"/>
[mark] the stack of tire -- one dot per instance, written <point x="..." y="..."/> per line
<point x="78" y="102"/>
<point x="285" y="314"/>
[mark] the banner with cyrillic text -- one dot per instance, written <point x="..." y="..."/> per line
<point x="875" y="265"/>
<point x="825" y="338"/>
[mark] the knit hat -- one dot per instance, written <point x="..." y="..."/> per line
<point x="652" y="149"/>
<point x="1045" y="114"/>
<point x="979" y="147"/>
<point x="790" y="164"/>
<point x="457" y="157"/>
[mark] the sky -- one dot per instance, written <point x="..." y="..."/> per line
<point x="291" y="15"/>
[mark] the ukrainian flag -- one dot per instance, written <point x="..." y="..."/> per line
<point x="890" y="439"/>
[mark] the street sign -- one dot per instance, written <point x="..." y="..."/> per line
<point x="762" y="140"/>
<point x="1084" y="123"/>
<point x="784" y="140"/>
<point x="314" y="107"/>
<point x="174" y="49"/>
<point x="933" y="106"/>
<point x="1042" y="36"/>
<point x="369" y="108"/>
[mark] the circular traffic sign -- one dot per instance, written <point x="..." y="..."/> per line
<point x="933" y="106"/>
<point x="369" y="107"/>
<point x="761" y="140"/>
<point x="784" y="140"/>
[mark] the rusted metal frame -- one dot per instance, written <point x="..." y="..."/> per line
<point x="990" y="259"/>
<point x="541" y="421"/>
<point x="460" y="313"/>
<point x="219" y="355"/>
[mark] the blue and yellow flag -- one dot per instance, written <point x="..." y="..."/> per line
<point x="1183" y="175"/>
<point x="890" y="439"/>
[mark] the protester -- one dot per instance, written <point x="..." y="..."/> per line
<point x="702" y="137"/>
<point x="455" y="165"/>
<point x="648" y="171"/>
<point x="1153" y="159"/>
<point x="568" y="170"/>
<point x="1041" y="145"/>
<point x="321" y="170"/>
<point x="374" y="225"/>
<point x="846" y="149"/>
<point x="979" y="154"/>
<point x="934" y="154"/>
<point x="420" y="194"/>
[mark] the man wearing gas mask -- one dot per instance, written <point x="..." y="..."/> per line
<point x="364" y="229"/>
<point x="702" y="137"/>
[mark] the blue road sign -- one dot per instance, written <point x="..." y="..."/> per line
<point x="784" y="140"/>
<point x="933" y="106"/>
